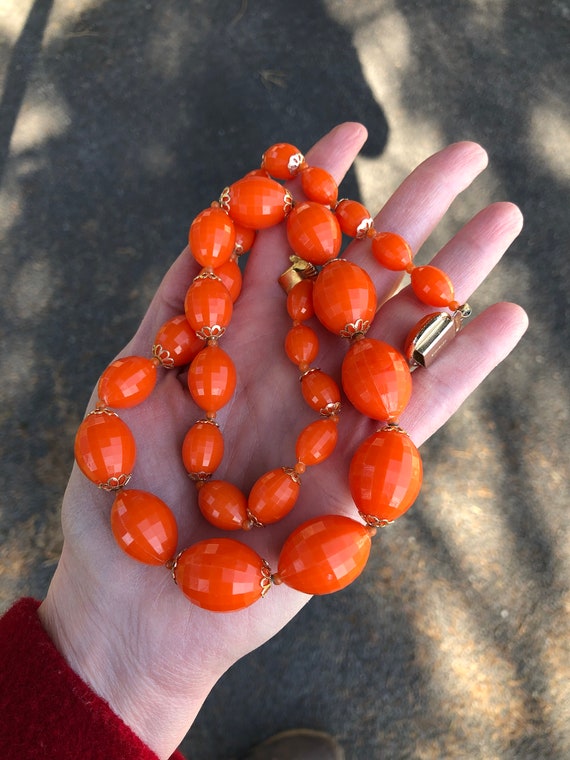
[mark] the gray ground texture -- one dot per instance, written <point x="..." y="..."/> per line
<point x="118" y="121"/>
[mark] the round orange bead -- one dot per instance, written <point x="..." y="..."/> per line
<point x="324" y="554"/>
<point x="313" y="232"/>
<point x="391" y="251"/>
<point x="342" y="295"/>
<point x="301" y="344"/>
<point x="144" y="527"/>
<point x="300" y="301"/>
<point x="273" y="496"/>
<point x="317" y="441"/>
<point x="105" y="450"/>
<point x="202" y="448"/>
<point x="256" y="202"/>
<point x="223" y="505"/>
<point x="319" y="186"/>
<point x="212" y="237"/>
<point x="245" y="238"/>
<point x="208" y="304"/>
<point x="354" y="218"/>
<point x="376" y="379"/>
<point x="432" y="286"/>
<point x="127" y="382"/>
<point x="212" y="378"/>
<point x="230" y="274"/>
<point x="176" y="342"/>
<point x="220" y="574"/>
<point x="282" y="160"/>
<point x="320" y="391"/>
<point x="385" y="475"/>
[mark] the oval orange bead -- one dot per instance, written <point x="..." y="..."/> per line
<point x="282" y="160"/>
<point x="391" y="251"/>
<point x="432" y="286"/>
<point x="300" y="301"/>
<point x="212" y="378"/>
<point x="245" y="238"/>
<point x="385" y="475"/>
<point x="314" y="233"/>
<point x="317" y="441"/>
<point x="273" y="496"/>
<point x="127" y="382"/>
<point x="256" y="202"/>
<point x="144" y="527"/>
<point x="301" y="344"/>
<point x="208" y="304"/>
<point x="223" y="505"/>
<point x="376" y="379"/>
<point x="324" y="554"/>
<point x="202" y="448"/>
<point x="320" y="391"/>
<point x="212" y="237"/>
<point x="230" y="274"/>
<point x="105" y="450"/>
<point x="220" y="574"/>
<point x="343" y="294"/>
<point x="176" y="342"/>
<point x="354" y="218"/>
<point x="319" y="186"/>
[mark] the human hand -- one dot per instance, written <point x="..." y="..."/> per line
<point x="125" y="627"/>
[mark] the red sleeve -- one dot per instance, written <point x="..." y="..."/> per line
<point x="46" y="711"/>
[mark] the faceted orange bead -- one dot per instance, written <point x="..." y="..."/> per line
<point x="220" y="574"/>
<point x="223" y="505"/>
<point x="319" y="186"/>
<point x="391" y="251"/>
<point x="208" y="303"/>
<point x="127" y="382"/>
<point x="385" y="474"/>
<point x="324" y="554"/>
<point x="354" y="218"/>
<point x="273" y="496"/>
<point x="256" y="202"/>
<point x="342" y="295"/>
<point x="203" y="448"/>
<point x="212" y="237"/>
<point x="376" y="379"/>
<point x="144" y="527"/>
<point x="432" y="286"/>
<point x="317" y="441"/>
<point x="282" y="160"/>
<point x="301" y="344"/>
<point x="314" y="233"/>
<point x="105" y="449"/>
<point x="176" y="342"/>
<point x="320" y="390"/>
<point x="245" y="238"/>
<point x="230" y="274"/>
<point x="300" y="301"/>
<point x="212" y="378"/>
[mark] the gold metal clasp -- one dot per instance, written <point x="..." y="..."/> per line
<point x="299" y="270"/>
<point x="432" y="334"/>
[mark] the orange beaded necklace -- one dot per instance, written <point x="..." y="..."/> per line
<point x="326" y="553"/>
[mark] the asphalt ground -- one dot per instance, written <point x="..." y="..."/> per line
<point x="117" y="119"/>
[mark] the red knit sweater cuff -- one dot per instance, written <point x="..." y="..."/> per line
<point x="46" y="710"/>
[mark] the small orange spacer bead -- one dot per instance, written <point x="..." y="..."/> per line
<point x="127" y="382"/>
<point x="300" y="301"/>
<point x="354" y="218"/>
<point x="391" y="251"/>
<point x="314" y="233"/>
<point x="282" y="160"/>
<point x="212" y="237"/>
<point x="301" y="345"/>
<point x="432" y="286"/>
<point x="300" y="467"/>
<point x="319" y="186"/>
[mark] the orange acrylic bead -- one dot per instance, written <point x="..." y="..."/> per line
<point x="432" y="286"/>
<point x="212" y="378"/>
<point x="208" y="304"/>
<point x="256" y="202"/>
<point x="105" y="450"/>
<point x="176" y="342"/>
<point x="282" y="160"/>
<point x="212" y="237"/>
<point x="392" y="251"/>
<point x="300" y="301"/>
<point x="385" y="475"/>
<point x="319" y="186"/>
<point x="301" y="344"/>
<point x="320" y="391"/>
<point x="223" y="505"/>
<point x="314" y="233"/>
<point x="273" y="496"/>
<point x="354" y="218"/>
<point x="220" y="574"/>
<point x="202" y="448"/>
<point x="316" y="442"/>
<point x="144" y="527"/>
<point x="376" y="379"/>
<point x="343" y="294"/>
<point x="245" y="238"/>
<point x="127" y="382"/>
<point x="230" y="274"/>
<point x="324" y="554"/>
